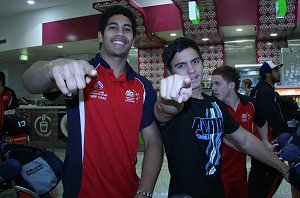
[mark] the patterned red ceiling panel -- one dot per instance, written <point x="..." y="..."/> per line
<point x="208" y="27"/>
<point x="143" y="38"/>
<point x="268" y="23"/>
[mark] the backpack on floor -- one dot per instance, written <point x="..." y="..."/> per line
<point x="41" y="169"/>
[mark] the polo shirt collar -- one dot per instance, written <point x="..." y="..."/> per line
<point x="130" y="73"/>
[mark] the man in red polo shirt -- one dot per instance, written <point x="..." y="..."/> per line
<point x="245" y="111"/>
<point x="8" y="99"/>
<point x="108" y="103"/>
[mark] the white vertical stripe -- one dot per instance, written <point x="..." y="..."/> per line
<point x="144" y="95"/>
<point x="82" y="119"/>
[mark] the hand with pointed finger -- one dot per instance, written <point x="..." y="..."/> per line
<point x="176" y="87"/>
<point x="71" y="75"/>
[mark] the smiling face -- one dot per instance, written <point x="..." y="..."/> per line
<point x="118" y="37"/>
<point x="188" y="63"/>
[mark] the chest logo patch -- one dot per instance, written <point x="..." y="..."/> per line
<point x="98" y="85"/>
<point x="245" y="117"/>
<point x="98" y="93"/>
<point x="132" y="96"/>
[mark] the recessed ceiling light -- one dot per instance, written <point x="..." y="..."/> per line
<point x="173" y="34"/>
<point x="239" y="29"/>
<point x="60" y="46"/>
<point x="273" y="34"/>
<point x="205" y="39"/>
<point x="30" y="2"/>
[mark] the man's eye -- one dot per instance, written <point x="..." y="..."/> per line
<point x="113" y="27"/>
<point x="195" y="61"/>
<point x="127" y="29"/>
<point x="180" y="66"/>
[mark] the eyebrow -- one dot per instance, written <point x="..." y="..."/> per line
<point x="115" y="23"/>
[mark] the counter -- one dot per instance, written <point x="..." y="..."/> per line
<point x="47" y="124"/>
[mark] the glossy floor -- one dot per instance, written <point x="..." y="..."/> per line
<point x="161" y="188"/>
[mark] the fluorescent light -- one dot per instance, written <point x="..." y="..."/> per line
<point x="273" y="34"/>
<point x="239" y="41"/>
<point x="173" y="34"/>
<point x="205" y="39"/>
<point x="30" y="2"/>
<point x="60" y="46"/>
<point x="239" y="29"/>
<point x="247" y="65"/>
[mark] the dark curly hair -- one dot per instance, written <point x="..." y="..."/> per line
<point x="115" y="10"/>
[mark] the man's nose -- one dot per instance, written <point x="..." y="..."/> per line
<point x="120" y="31"/>
<point x="191" y="69"/>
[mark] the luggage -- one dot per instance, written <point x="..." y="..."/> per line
<point x="41" y="169"/>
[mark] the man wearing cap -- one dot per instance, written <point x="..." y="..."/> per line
<point x="264" y="180"/>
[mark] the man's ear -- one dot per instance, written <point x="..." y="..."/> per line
<point x="100" y="37"/>
<point x="268" y="75"/>
<point x="232" y="85"/>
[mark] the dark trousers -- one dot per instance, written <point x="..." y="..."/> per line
<point x="263" y="180"/>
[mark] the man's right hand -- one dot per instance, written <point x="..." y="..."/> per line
<point x="71" y="75"/>
<point x="176" y="87"/>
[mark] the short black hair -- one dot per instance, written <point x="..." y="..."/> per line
<point x="115" y="10"/>
<point x="230" y="74"/>
<point x="2" y="78"/>
<point x="178" y="45"/>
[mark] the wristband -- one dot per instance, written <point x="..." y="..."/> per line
<point x="141" y="192"/>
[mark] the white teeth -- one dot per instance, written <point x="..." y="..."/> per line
<point x="118" y="42"/>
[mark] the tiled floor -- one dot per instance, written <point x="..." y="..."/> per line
<point x="161" y="188"/>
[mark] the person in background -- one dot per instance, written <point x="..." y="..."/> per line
<point x="264" y="180"/>
<point x="246" y="86"/>
<point x="8" y="99"/>
<point x="225" y="83"/>
<point x="193" y="125"/>
<point x="107" y="104"/>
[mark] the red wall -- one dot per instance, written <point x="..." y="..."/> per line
<point x="159" y="18"/>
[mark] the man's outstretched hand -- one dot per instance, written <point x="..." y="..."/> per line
<point x="176" y="87"/>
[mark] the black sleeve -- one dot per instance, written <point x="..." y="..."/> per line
<point x="266" y="98"/>
<point x="259" y="116"/>
<point x="14" y="103"/>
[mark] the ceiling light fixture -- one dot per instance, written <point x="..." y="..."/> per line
<point x="247" y="65"/>
<point x="273" y="34"/>
<point x="173" y="34"/>
<point x="60" y="46"/>
<point x="239" y="29"/>
<point x="205" y="39"/>
<point x="30" y="2"/>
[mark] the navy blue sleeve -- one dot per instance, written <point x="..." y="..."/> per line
<point x="14" y="103"/>
<point x="148" y="108"/>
